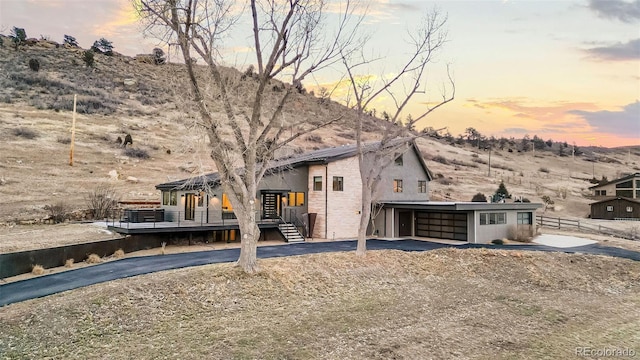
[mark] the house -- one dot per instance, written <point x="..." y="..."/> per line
<point x="319" y="192"/>
<point x="627" y="187"/>
<point x="616" y="208"/>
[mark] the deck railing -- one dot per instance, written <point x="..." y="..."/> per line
<point x="177" y="219"/>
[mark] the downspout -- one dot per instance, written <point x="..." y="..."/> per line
<point x="326" y="201"/>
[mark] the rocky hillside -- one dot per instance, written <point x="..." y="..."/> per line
<point x="120" y="95"/>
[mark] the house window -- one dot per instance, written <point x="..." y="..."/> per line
<point x="296" y="199"/>
<point x="601" y="192"/>
<point x="493" y="218"/>
<point x="422" y="186"/>
<point x="173" y="198"/>
<point x="524" y="218"/>
<point x="399" y="161"/>
<point x="624" y="193"/>
<point x="226" y="204"/>
<point x="201" y="197"/>
<point x="629" y="209"/>
<point x="626" y="184"/>
<point x="338" y="183"/>
<point x="397" y="185"/>
<point x="610" y="208"/>
<point x="317" y="183"/>
<point x="165" y="197"/>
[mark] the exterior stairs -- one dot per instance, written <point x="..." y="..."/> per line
<point x="290" y="233"/>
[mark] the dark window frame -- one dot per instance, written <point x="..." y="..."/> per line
<point x="338" y="183"/>
<point x="422" y="186"/>
<point x="317" y="183"/>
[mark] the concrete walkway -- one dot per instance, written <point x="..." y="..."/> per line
<point x="73" y="279"/>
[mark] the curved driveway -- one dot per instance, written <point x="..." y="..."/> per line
<point x="118" y="269"/>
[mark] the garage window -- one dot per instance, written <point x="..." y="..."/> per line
<point x="524" y="218"/>
<point x="493" y="218"/>
<point x="629" y="209"/>
<point x="609" y="208"/>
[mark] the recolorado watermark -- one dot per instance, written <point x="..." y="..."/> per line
<point x="605" y="352"/>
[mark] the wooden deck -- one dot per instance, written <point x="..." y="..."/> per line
<point x="129" y="228"/>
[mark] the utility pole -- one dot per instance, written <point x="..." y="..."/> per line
<point x="73" y="130"/>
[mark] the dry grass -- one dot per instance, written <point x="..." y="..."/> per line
<point x="37" y="270"/>
<point x="68" y="263"/>
<point x="118" y="254"/>
<point x="390" y="304"/>
<point x="93" y="259"/>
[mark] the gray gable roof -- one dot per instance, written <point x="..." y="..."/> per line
<point x="321" y="156"/>
<point x="622" y="179"/>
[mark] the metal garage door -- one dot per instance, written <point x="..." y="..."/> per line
<point x="441" y="225"/>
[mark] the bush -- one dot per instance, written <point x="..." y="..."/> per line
<point x="25" y="133"/>
<point x="34" y="64"/>
<point x="68" y="263"/>
<point x="18" y="36"/>
<point x="57" y="212"/>
<point x="70" y="40"/>
<point x="314" y="138"/>
<point x="479" y="197"/>
<point x="102" y="202"/>
<point x="158" y="56"/>
<point x="93" y="259"/>
<point x="118" y="254"/>
<point x="497" y="242"/>
<point x="441" y="159"/>
<point x="64" y="140"/>
<point x="88" y="58"/>
<point x="502" y="192"/>
<point x="544" y="170"/>
<point x="37" y="270"/>
<point x="103" y="46"/>
<point x="136" y="153"/>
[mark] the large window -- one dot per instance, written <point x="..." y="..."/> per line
<point x="624" y="193"/>
<point x="493" y="218"/>
<point x="201" y="197"/>
<point x="338" y="183"/>
<point x="422" y="186"/>
<point x="165" y="197"/>
<point x="296" y="199"/>
<point x="226" y="204"/>
<point x="524" y="218"/>
<point x="397" y="185"/>
<point x="626" y="184"/>
<point x="317" y="183"/>
<point x="173" y="198"/>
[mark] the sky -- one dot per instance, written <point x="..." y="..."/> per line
<point x="567" y="70"/>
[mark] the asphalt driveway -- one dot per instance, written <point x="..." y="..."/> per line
<point x="73" y="279"/>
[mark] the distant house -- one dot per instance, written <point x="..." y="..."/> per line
<point x="616" y="208"/>
<point x="321" y="190"/>
<point x="627" y="187"/>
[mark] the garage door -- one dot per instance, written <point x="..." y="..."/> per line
<point x="441" y="225"/>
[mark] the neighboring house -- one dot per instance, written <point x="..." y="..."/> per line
<point x="322" y="190"/>
<point x="627" y="187"/>
<point x="616" y="208"/>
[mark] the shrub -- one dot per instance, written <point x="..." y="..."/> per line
<point x="25" y="133"/>
<point x="136" y="153"/>
<point x="88" y="58"/>
<point x="68" y="263"/>
<point x="70" y="40"/>
<point x="497" y="242"/>
<point x="103" y="46"/>
<point x="501" y="192"/>
<point x="158" y="56"/>
<point x="64" y="140"/>
<point x="118" y="254"/>
<point x="523" y="200"/>
<point x="479" y="197"/>
<point x="314" y="138"/>
<point x="544" y="170"/>
<point x="523" y="233"/>
<point x="57" y="212"/>
<point x="37" y="270"/>
<point x="93" y="259"/>
<point x="102" y="201"/>
<point x="441" y="159"/>
<point x="18" y="36"/>
<point x="34" y="64"/>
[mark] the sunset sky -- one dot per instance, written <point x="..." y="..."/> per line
<point x="565" y="70"/>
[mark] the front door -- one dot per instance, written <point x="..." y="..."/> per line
<point x="190" y="206"/>
<point x="270" y="205"/>
<point x="404" y="220"/>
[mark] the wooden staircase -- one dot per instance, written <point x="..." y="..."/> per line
<point x="290" y="233"/>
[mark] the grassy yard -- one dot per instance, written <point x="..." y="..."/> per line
<point x="441" y="304"/>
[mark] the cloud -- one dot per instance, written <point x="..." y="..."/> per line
<point x="547" y="113"/>
<point x="624" y="122"/>
<point x="617" y="52"/>
<point x="624" y="11"/>
<point x="516" y="130"/>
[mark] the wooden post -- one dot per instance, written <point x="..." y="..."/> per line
<point x="73" y="130"/>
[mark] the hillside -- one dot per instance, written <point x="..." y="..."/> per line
<point x="121" y="95"/>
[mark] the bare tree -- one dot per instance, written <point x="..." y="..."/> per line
<point x="395" y="135"/>
<point x="290" y="40"/>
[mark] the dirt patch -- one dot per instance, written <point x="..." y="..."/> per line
<point x="390" y="304"/>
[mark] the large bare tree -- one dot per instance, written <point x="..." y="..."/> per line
<point x="290" y="40"/>
<point x="403" y="88"/>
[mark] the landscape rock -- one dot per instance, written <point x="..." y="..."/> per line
<point x="113" y="175"/>
<point x="132" y="179"/>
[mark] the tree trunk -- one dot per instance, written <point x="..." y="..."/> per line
<point x="249" y="243"/>
<point x="365" y="214"/>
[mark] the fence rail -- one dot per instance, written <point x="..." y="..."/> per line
<point x="560" y="223"/>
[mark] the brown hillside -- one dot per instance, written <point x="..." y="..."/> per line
<point x="123" y="96"/>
